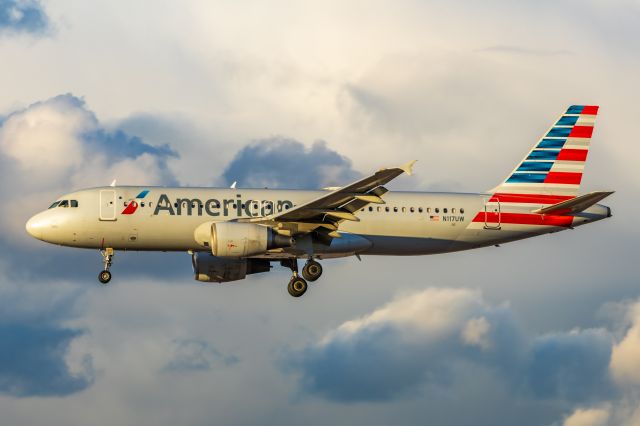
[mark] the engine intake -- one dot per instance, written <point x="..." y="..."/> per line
<point x="209" y="268"/>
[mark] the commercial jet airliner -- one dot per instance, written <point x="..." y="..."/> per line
<point x="231" y="233"/>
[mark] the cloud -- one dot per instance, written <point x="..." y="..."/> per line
<point x="413" y="340"/>
<point x="35" y="343"/>
<point x="588" y="417"/>
<point x="286" y="163"/>
<point x="626" y="353"/>
<point x="32" y="360"/>
<point x="196" y="355"/>
<point x="56" y="145"/>
<point x="419" y="341"/>
<point x="560" y="362"/>
<point x="23" y="16"/>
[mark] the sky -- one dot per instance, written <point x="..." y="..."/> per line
<point x="300" y="94"/>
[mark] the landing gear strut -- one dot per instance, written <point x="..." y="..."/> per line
<point x="297" y="285"/>
<point x="107" y="255"/>
<point x="312" y="270"/>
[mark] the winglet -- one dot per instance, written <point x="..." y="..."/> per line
<point x="408" y="167"/>
<point x="113" y="183"/>
<point x="233" y="185"/>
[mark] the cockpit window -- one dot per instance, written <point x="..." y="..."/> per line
<point x="64" y="203"/>
<point x="54" y="204"/>
<point x="74" y="203"/>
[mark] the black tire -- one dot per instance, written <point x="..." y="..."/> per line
<point x="104" y="277"/>
<point x="312" y="270"/>
<point x="297" y="286"/>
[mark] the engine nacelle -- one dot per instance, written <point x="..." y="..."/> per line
<point x="233" y="239"/>
<point x="209" y="268"/>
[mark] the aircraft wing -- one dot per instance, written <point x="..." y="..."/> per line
<point x="330" y="209"/>
<point x="575" y="205"/>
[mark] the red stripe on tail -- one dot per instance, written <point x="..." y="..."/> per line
<point x="570" y="178"/>
<point x="581" y="132"/>
<point x="569" y="154"/>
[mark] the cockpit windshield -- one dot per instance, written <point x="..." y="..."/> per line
<point x="64" y="203"/>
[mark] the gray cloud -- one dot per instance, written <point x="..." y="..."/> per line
<point x="571" y="366"/>
<point x="196" y="355"/>
<point x="23" y="16"/>
<point x="35" y="344"/>
<point x="286" y="163"/>
<point x="416" y="345"/>
<point x="32" y="360"/>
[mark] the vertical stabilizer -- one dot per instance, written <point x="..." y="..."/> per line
<point x="555" y="164"/>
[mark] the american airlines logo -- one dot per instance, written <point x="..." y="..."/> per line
<point x="132" y="205"/>
<point x="219" y="207"/>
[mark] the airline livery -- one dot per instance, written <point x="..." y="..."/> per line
<point x="231" y="233"/>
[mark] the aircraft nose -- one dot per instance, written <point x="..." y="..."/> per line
<point x="34" y="227"/>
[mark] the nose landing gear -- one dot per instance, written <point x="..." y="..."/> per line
<point x="107" y="255"/>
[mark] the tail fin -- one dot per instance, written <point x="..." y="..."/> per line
<point x="555" y="164"/>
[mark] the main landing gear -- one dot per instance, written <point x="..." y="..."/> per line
<point x="311" y="271"/>
<point x="107" y="255"/>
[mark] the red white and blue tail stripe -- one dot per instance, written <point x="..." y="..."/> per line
<point x="549" y="174"/>
<point x="554" y="166"/>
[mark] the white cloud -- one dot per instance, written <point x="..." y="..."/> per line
<point x="475" y="332"/>
<point x="57" y="145"/>
<point x="625" y="359"/>
<point x="588" y="417"/>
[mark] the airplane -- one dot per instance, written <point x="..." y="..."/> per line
<point x="234" y="232"/>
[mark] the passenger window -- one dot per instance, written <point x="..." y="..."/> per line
<point x="404" y="210"/>
<point x="461" y="210"/>
<point x="386" y="209"/>
<point x="453" y="210"/>
<point x="379" y="209"/>
<point x="437" y="210"/>
<point x="54" y="205"/>
<point x="142" y="204"/>
<point x="64" y="203"/>
<point x="444" y="210"/>
<point x="370" y="208"/>
<point x="419" y="209"/>
<point x="395" y="210"/>
<point x="428" y="209"/>
<point x="74" y="203"/>
<point x="412" y="210"/>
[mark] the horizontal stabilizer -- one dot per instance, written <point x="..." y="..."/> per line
<point x="575" y="205"/>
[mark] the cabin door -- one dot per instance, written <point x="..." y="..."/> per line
<point x="108" y="204"/>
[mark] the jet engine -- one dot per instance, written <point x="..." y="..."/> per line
<point x="233" y="239"/>
<point x="209" y="268"/>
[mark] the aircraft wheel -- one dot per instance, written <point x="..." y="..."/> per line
<point x="312" y="270"/>
<point x="104" y="277"/>
<point x="297" y="286"/>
